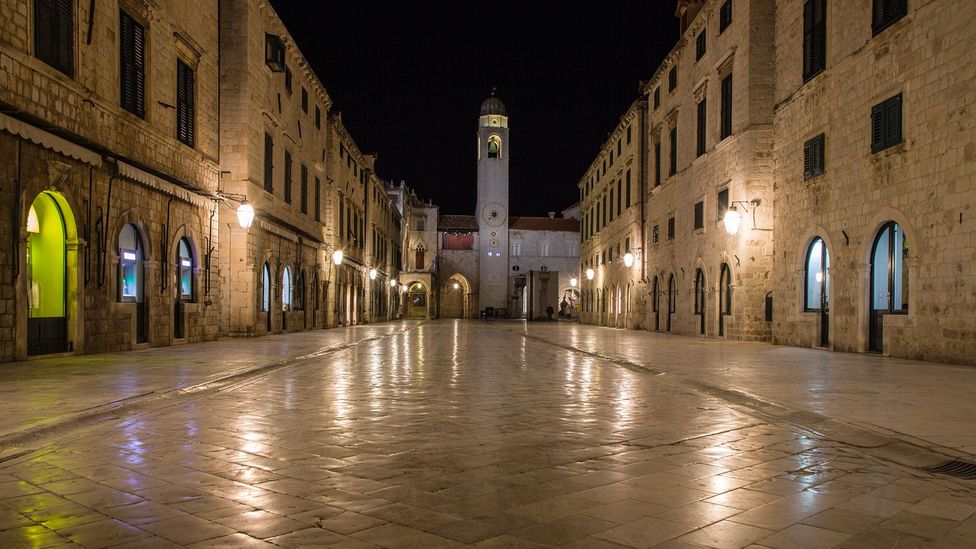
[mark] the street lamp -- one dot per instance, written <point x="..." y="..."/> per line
<point x="337" y="257"/>
<point x="732" y="219"/>
<point x="629" y="259"/>
<point x="573" y="282"/>
<point x="245" y="215"/>
<point x="590" y="274"/>
<point x="372" y="274"/>
<point x="393" y="283"/>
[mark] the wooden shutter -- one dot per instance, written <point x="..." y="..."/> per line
<point x="132" y="65"/>
<point x="318" y="199"/>
<point x="808" y="159"/>
<point x="184" y="103"/>
<point x="304" y="189"/>
<point x="808" y="8"/>
<point x="64" y="35"/>
<point x="892" y="125"/>
<point x="44" y="30"/>
<point x="727" y="106"/>
<point x="877" y="127"/>
<point x="288" y="177"/>
<point x="268" y="162"/>
<point x="54" y="33"/>
<point x="819" y="36"/>
<point x="700" y="138"/>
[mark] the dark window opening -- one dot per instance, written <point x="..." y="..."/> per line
<point x="185" y="107"/>
<point x="813" y="157"/>
<point x="274" y="53"/>
<point x="814" y="38"/>
<point x="672" y="79"/>
<point x="132" y="65"/>
<point x="54" y="34"/>
<point x="722" y="204"/>
<point x="886" y="12"/>
<point x="699" y="215"/>
<point x="725" y="16"/>
<point x="671" y="228"/>
<point x="700" y="44"/>
<point x="288" y="177"/>
<point x="886" y="124"/>
<point x="268" y="162"/>
<point x="700" y="137"/>
<point x="673" y="166"/>
<point x="726" y="123"/>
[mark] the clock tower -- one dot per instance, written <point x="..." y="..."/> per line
<point x="492" y="208"/>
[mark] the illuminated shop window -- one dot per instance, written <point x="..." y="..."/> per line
<point x="184" y="269"/>
<point x="130" y="264"/>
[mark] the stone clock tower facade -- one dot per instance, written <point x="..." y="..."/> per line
<point x="492" y="208"/>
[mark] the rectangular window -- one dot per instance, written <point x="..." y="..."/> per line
<point x="611" y="203"/>
<point x="627" y="245"/>
<point x="814" y="38"/>
<point x="673" y="78"/>
<point x="304" y="100"/>
<point x="54" y="34"/>
<point x="604" y="224"/>
<point x="657" y="163"/>
<point x="700" y="44"/>
<point x="618" y="147"/>
<point x="886" y="124"/>
<point x="726" y="129"/>
<point x="287" y="79"/>
<point x="274" y="52"/>
<point x="268" y="162"/>
<point x="318" y="117"/>
<point x="627" y="190"/>
<point x="655" y="234"/>
<point x="287" y="177"/>
<point x="722" y="204"/>
<point x="628" y="135"/>
<point x="886" y="12"/>
<point x="700" y="137"/>
<point x="671" y="228"/>
<point x="132" y="65"/>
<point x="318" y="199"/>
<point x="185" y="114"/>
<point x="303" y="188"/>
<point x="620" y="197"/>
<point x="611" y="157"/>
<point x="673" y="167"/>
<point x="813" y="157"/>
<point x="342" y="218"/>
<point x="657" y="97"/>
<point x="725" y="16"/>
<point x="699" y="215"/>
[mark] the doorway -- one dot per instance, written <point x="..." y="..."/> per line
<point x="700" y="300"/>
<point x="889" y="281"/>
<point x="817" y="284"/>
<point x="47" y="275"/>
<point x="724" y="298"/>
<point x="132" y="254"/>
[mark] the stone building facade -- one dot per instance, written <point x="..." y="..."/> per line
<point x="612" y="208"/>
<point x="840" y="136"/>
<point x="883" y="213"/>
<point x="108" y="151"/>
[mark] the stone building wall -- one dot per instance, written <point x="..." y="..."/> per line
<point x="603" y="247"/>
<point x="65" y="135"/>
<point x="926" y="183"/>
<point x="740" y="163"/>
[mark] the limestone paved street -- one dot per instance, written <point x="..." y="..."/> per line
<point x="496" y="434"/>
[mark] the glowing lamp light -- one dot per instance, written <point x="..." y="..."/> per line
<point x="590" y="274"/>
<point x="629" y="259"/>
<point x="130" y="256"/>
<point x="33" y="226"/>
<point x="245" y="215"/>
<point x="732" y="219"/>
<point x="393" y="283"/>
<point x="573" y="282"/>
<point x="819" y="277"/>
<point x="456" y="286"/>
<point x="372" y="274"/>
<point x="337" y="257"/>
<point x="186" y="262"/>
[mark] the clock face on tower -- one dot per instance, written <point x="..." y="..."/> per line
<point x="493" y="214"/>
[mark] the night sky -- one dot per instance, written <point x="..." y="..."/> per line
<point x="409" y="78"/>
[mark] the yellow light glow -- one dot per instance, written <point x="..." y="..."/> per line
<point x="33" y="226"/>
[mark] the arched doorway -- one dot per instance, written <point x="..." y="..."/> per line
<point x="417" y="301"/>
<point x="889" y="280"/>
<point x="185" y="263"/>
<point x="655" y="302"/>
<point x="50" y="227"/>
<point x="286" y="296"/>
<point x="672" y="300"/>
<point x="131" y="276"/>
<point x="266" y="295"/>
<point x="817" y="286"/>
<point x="454" y="297"/>
<point x="700" y="299"/>
<point x="724" y="297"/>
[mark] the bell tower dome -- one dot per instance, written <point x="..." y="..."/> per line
<point x="492" y="207"/>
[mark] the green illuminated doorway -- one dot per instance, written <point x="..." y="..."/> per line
<point x="47" y="326"/>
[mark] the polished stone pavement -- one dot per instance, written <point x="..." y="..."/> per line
<point x="497" y="434"/>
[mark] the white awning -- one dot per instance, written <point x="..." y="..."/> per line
<point x="153" y="182"/>
<point x="49" y="141"/>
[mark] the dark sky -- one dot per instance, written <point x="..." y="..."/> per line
<point x="410" y="76"/>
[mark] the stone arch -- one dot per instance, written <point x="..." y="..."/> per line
<point x="455" y="297"/>
<point x="916" y="247"/>
<point x="417" y="300"/>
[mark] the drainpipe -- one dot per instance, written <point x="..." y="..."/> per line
<point x="88" y="220"/>
<point x="15" y="240"/>
<point x="163" y="276"/>
<point x="104" y="247"/>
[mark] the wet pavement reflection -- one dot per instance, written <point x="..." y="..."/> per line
<point x="456" y="433"/>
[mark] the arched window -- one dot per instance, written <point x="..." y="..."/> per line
<point x="286" y="289"/>
<point x="184" y="270"/>
<point x="699" y="292"/>
<point x="725" y="289"/>
<point x="299" y="291"/>
<point x="889" y="274"/>
<point x="494" y="146"/>
<point x="817" y="292"/>
<point x="130" y="264"/>
<point x="654" y="296"/>
<point x="266" y="288"/>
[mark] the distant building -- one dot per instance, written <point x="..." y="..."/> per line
<point x="462" y="266"/>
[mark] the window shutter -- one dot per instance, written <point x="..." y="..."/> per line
<point x="132" y="57"/>
<point x="139" y="57"/>
<point x="65" y="33"/>
<point x="877" y="127"/>
<point x="318" y="199"/>
<point x="819" y="54"/>
<point x="808" y="159"/>
<point x="808" y="38"/>
<point x="878" y="14"/>
<point x="268" y="162"/>
<point x="184" y="103"/>
<point x="44" y="32"/>
<point x="892" y="126"/>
